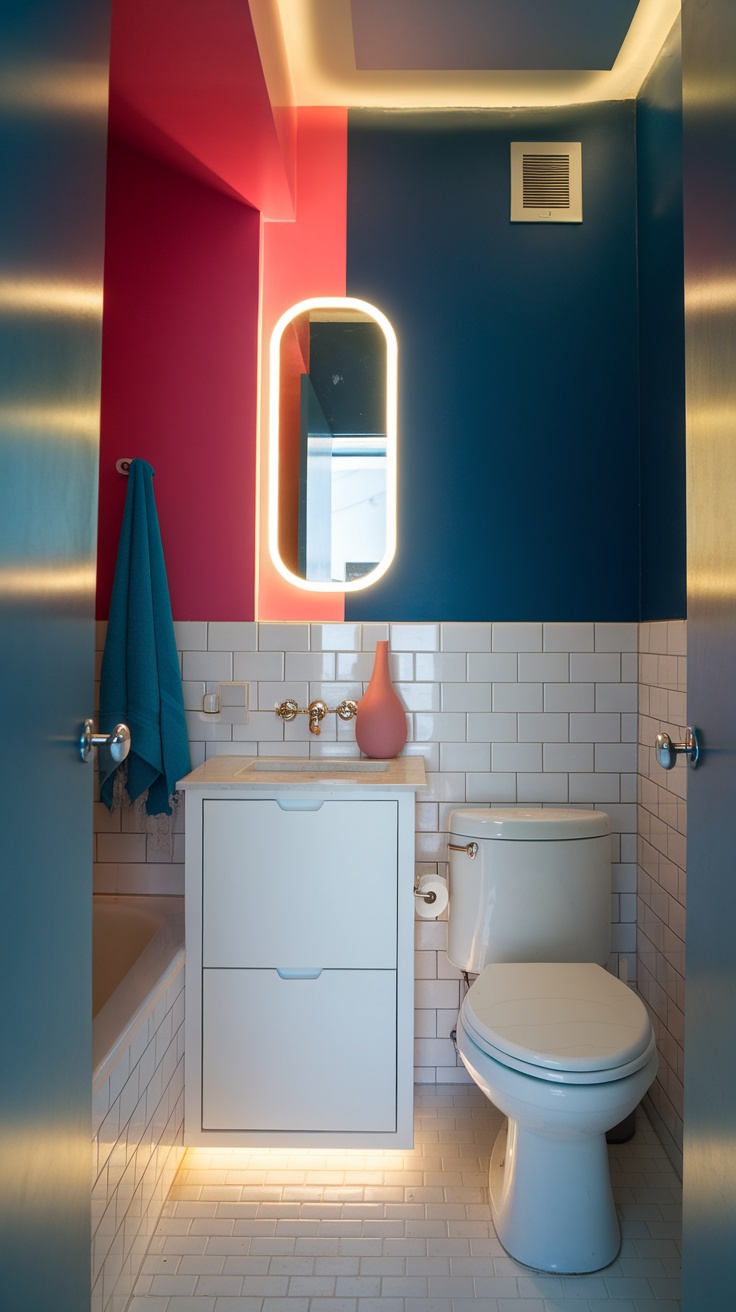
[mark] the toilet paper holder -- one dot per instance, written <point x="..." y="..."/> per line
<point x="429" y="897"/>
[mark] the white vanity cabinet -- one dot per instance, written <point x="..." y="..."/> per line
<point x="299" y="966"/>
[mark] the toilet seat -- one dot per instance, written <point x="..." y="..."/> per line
<point x="565" y="1022"/>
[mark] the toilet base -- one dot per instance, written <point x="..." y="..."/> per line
<point x="625" y="1130"/>
<point x="542" y="1216"/>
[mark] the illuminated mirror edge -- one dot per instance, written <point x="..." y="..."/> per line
<point x="328" y="303"/>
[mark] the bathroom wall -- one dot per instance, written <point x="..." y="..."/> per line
<point x="509" y="506"/>
<point x="518" y="366"/>
<point x="506" y="713"/>
<point x="662" y="645"/>
<point x="661" y="858"/>
<point x="527" y="353"/>
<point x="661" y="336"/>
<point x="179" y="377"/>
<point x="518" y="371"/>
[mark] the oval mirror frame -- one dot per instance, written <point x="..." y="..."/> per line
<point x="340" y="304"/>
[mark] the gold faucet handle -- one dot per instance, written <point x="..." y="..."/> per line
<point x="288" y="710"/>
<point x="317" y="711"/>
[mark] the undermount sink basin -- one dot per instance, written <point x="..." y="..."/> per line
<point x="314" y="765"/>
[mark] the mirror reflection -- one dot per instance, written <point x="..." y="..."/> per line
<point x="333" y="444"/>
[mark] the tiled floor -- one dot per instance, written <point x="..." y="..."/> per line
<point x="259" y="1231"/>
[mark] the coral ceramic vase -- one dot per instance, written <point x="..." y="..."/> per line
<point x="380" y="726"/>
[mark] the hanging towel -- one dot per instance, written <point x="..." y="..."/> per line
<point x="140" y="683"/>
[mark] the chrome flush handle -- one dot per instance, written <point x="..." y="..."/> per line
<point x="470" y="849"/>
<point x="118" y="741"/>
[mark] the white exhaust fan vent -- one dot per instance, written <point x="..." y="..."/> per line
<point x="546" y="182"/>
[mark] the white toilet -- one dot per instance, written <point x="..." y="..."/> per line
<point x="562" y="1047"/>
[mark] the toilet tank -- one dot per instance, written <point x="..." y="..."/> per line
<point x="528" y="885"/>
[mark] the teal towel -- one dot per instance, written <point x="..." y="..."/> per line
<point x="140" y="682"/>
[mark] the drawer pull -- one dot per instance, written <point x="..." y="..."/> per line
<point x="299" y="804"/>
<point x="298" y="972"/>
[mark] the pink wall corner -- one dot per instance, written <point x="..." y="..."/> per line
<point x="179" y="379"/>
<point x="301" y="259"/>
<point x="204" y="87"/>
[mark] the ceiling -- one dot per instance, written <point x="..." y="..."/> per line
<point x="470" y="53"/>
<point x="209" y="86"/>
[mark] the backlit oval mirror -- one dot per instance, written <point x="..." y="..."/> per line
<point x="332" y="445"/>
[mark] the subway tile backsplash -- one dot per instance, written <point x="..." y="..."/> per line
<point x="137" y="1143"/>
<point x="537" y="713"/>
<point x="661" y="876"/>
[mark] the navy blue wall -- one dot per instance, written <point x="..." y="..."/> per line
<point x="518" y="365"/>
<point x="662" y="337"/>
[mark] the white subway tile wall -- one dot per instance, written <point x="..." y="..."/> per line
<point x="539" y="713"/>
<point x="137" y="1144"/>
<point x="661" y="859"/>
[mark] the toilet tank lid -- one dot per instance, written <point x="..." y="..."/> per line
<point x="533" y="824"/>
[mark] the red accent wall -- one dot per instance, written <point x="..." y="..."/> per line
<point x="179" y="378"/>
<point x="303" y="259"/>
<point x="204" y="87"/>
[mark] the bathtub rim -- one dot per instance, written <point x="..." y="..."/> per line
<point x="120" y="1018"/>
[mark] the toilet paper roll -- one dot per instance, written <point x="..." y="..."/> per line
<point x="431" y="884"/>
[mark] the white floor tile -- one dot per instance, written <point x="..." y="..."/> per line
<point x="394" y="1232"/>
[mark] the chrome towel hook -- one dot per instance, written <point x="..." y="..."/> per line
<point x="667" y="751"/>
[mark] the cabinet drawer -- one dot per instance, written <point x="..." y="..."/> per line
<point x="300" y="887"/>
<point x="315" y="1055"/>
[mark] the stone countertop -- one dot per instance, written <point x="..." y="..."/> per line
<point x="262" y="772"/>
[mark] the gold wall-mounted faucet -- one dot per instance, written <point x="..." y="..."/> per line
<point x="316" y="710"/>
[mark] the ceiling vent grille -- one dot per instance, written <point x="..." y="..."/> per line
<point x="546" y="182"/>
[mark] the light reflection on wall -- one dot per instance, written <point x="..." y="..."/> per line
<point x="34" y="296"/>
<point x="68" y="88"/>
<point x="712" y="296"/>
<point x="52" y="421"/>
<point x="49" y="579"/>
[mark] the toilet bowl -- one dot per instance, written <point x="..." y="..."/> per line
<point x="565" y="1051"/>
<point x="561" y="1046"/>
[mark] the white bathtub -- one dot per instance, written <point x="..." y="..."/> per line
<point x="135" y="941"/>
<point x="137" y="1082"/>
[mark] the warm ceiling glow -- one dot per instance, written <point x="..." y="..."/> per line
<point x="319" y="45"/>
